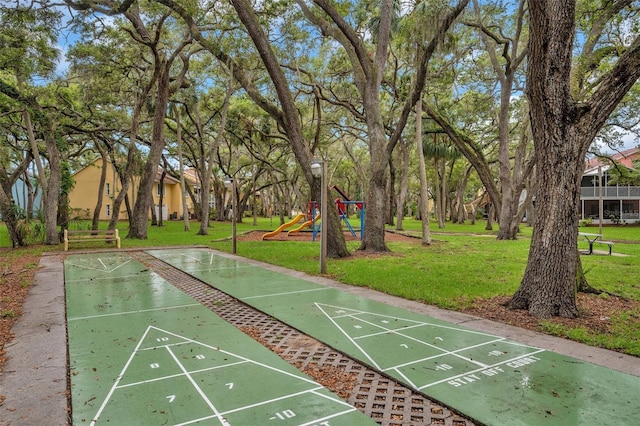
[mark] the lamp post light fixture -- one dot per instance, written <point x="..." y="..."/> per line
<point x="319" y="169"/>
<point x="230" y="183"/>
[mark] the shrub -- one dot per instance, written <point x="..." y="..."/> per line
<point x="585" y="222"/>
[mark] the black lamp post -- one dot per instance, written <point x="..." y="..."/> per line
<point x="230" y="183"/>
<point x="319" y="169"/>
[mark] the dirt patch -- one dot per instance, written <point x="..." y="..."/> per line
<point x="308" y="236"/>
<point x="16" y="278"/>
<point x="348" y="236"/>
<point x="595" y="313"/>
<point x="333" y="378"/>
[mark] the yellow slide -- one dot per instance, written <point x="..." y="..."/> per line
<point x="304" y="225"/>
<point x="284" y="226"/>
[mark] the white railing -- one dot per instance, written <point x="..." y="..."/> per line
<point x="611" y="191"/>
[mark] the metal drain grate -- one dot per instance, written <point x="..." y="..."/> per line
<point x="386" y="401"/>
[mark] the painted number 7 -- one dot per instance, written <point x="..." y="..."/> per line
<point x="171" y="398"/>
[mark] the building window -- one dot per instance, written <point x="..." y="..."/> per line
<point x="108" y="188"/>
<point x="160" y="188"/>
<point x="108" y="209"/>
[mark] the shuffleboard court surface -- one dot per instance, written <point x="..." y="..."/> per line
<point x="486" y="377"/>
<point x="141" y="352"/>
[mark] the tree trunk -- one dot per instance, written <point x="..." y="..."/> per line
<point x="402" y="194"/>
<point x="50" y="184"/>
<point x="207" y="160"/>
<point x="161" y="197"/>
<point x="445" y="191"/>
<point x="8" y="210"/>
<point x="423" y="208"/>
<point x="53" y="189"/>
<point x="138" y="224"/>
<point x="376" y="200"/>
<point x="205" y="197"/>
<point x="125" y="181"/>
<point x="103" y="179"/>
<point x="31" y="194"/>
<point x="508" y="210"/>
<point x="183" y="191"/>
<point x="254" y="206"/>
<point x="334" y="245"/>
<point x="462" y="186"/>
<point x="391" y="185"/>
<point x="63" y="211"/>
<point x="375" y="213"/>
<point x="152" y="211"/>
<point x="549" y="284"/>
<point x="126" y="177"/>
<point x="509" y="204"/>
<point x="490" y="211"/>
<point x="441" y="190"/>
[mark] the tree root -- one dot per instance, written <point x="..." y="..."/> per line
<point x="586" y="288"/>
<point x="582" y="286"/>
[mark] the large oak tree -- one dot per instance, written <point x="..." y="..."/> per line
<point x="565" y="122"/>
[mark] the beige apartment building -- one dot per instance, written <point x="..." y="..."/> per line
<point x="84" y="195"/>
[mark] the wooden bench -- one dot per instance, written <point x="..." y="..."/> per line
<point x="609" y="243"/>
<point x="105" y="235"/>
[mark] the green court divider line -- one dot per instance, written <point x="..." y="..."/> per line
<point x="143" y="352"/>
<point x="486" y="377"/>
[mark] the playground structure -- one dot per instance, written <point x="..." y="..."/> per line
<point x="284" y="226"/>
<point x="312" y="217"/>
<point x="305" y="225"/>
<point x="342" y="205"/>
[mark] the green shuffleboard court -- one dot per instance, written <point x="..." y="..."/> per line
<point x="141" y="352"/>
<point x="486" y="377"/>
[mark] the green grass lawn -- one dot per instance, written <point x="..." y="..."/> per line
<point x="462" y="264"/>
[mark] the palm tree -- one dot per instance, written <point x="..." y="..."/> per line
<point x="441" y="152"/>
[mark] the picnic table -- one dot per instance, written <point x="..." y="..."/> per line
<point x="592" y="238"/>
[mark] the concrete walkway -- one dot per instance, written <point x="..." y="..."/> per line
<point x="34" y="379"/>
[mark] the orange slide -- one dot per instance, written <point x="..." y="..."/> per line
<point x="304" y="225"/>
<point x="284" y="226"/>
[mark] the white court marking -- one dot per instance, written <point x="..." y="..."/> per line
<point x="262" y="296"/>
<point x="138" y="311"/>
<point x="104" y="267"/>
<point x="337" y="312"/>
<point x="211" y="262"/>
<point x="144" y="346"/>
<point x="467" y="373"/>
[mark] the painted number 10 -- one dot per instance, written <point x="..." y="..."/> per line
<point x="286" y="414"/>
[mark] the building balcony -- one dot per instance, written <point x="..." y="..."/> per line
<point x="621" y="192"/>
